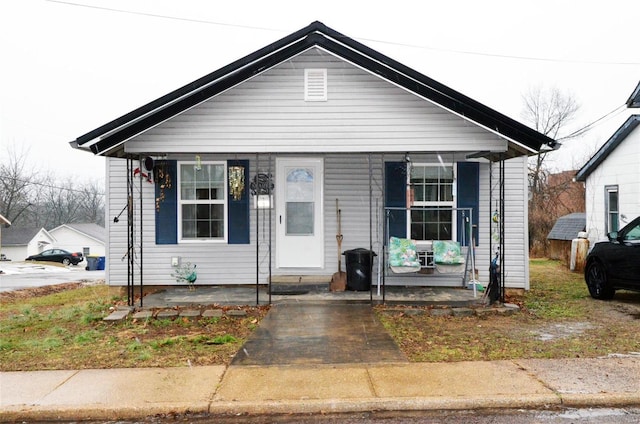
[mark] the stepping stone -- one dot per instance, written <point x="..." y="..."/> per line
<point x="190" y="313"/>
<point x="118" y="315"/>
<point x="485" y="312"/>
<point x="167" y="314"/>
<point x="441" y="312"/>
<point x="463" y="312"/>
<point x="212" y="313"/>
<point x="236" y="313"/>
<point x="142" y="315"/>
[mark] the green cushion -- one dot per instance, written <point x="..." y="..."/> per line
<point x="447" y="252"/>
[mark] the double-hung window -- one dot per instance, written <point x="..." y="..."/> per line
<point x="431" y="216"/>
<point x="202" y="210"/>
<point x="611" y="202"/>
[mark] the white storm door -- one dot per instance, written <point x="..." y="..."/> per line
<point x="299" y="213"/>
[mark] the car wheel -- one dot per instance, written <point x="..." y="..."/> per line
<point x="66" y="261"/>
<point x="596" y="278"/>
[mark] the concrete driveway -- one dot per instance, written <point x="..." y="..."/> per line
<point x="22" y="275"/>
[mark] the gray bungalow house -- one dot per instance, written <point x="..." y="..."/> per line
<point x="243" y="171"/>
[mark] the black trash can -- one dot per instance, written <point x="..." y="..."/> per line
<point x="92" y="263"/>
<point x="359" y="264"/>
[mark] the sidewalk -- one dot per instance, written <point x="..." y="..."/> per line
<point x="113" y="394"/>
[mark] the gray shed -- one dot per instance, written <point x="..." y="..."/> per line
<point x="564" y="230"/>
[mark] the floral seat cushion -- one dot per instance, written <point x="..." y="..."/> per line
<point x="447" y="252"/>
<point x="402" y="253"/>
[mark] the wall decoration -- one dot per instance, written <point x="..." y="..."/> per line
<point x="236" y="181"/>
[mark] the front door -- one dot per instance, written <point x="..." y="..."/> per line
<point x="299" y="213"/>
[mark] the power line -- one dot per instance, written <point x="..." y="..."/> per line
<point x="592" y="124"/>
<point x="50" y="186"/>
<point x="155" y="15"/>
<point x="416" y="46"/>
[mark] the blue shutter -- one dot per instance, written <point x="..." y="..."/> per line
<point x="395" y="195"/>
<point x="167" y="208"/>
<point x="239" y="218"/>
<point x="468" y="196"/>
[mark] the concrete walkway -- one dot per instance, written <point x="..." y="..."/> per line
<point x="318" y="358"/>
<point x="116" y="394"/>
<point x="319" y="333"/>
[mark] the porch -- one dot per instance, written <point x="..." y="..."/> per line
<point x="234" y="295"/>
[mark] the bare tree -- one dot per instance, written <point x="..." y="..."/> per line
<point x="18" y="187"/>
<point x="92" y="203"/>
<point x="31" y="197"/>
<point x="549" y="111"/>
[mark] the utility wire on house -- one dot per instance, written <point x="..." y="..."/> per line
<point x="592" y="124"/>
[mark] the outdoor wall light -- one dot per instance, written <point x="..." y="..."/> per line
<point x="263" y="201"/>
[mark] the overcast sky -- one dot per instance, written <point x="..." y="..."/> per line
<point x="71" y="66"/>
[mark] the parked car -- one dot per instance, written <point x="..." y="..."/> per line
<point x="58" y="255"/>
<point x="615" y="264"/>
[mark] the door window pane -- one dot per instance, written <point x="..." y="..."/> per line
<point x="300" y="204"/>
<point x="300" y="218"/>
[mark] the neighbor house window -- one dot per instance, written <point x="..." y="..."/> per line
<point x="202" y="207"/>
<point x="612" y="208"/>
<point x="431" y="215"/>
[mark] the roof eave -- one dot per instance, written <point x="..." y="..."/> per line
<point x="621" y="133"/>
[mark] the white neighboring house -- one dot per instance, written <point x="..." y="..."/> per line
<point x="612" y="178"/>
<point x="86" y="238"/>
<point x="18" y="243"/>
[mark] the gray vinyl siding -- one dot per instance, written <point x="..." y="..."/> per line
<point x="268" y="114"/>
<point x="516" y="261"/>
<point x="346" y="179"/>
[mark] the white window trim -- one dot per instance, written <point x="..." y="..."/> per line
<point x="608" y="189"/>
<point x="426" y="204"/>
<point x="225" y="201"/>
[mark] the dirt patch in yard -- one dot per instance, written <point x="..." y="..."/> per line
<point x="39" y="291"/>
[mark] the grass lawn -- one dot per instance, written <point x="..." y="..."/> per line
<point x="62" y="328"/>
<point x="558" y="319"/>
<point x="65" y="330"/>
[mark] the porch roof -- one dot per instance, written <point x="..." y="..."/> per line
<point x="108" y="139"/>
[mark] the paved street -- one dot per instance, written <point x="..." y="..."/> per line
<point x="22" y="275"/>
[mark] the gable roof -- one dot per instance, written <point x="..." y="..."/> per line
<point x="16" y="236"/>
<point x="634" y="99"/>
<point x="91" y="230"/>
<point x="618" y="137"/>
<point x="108" y="139"/>
<point x="567" y="227"/>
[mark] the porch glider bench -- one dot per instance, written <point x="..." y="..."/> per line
<point x="445" y="256"/>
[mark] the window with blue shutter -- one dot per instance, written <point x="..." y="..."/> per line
<point x="201" y="203"/>
<point x="166" y="201"/>
<point x="395" y="195"/>
<point x="239" y="207"/>
<point x="468" y="196"/>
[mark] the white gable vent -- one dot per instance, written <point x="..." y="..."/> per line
<point x="315" y="85"/>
